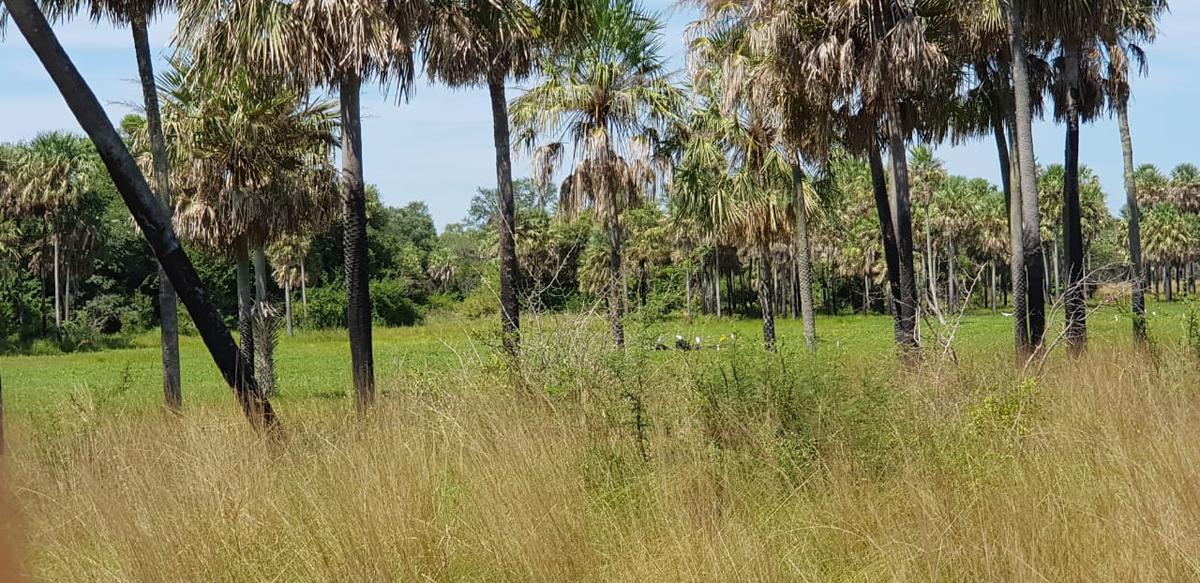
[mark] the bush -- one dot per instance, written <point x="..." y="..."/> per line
<point x="393" y="304"/>
<point x="391" y="300"/>
<point x="109" y="314"/>
<point x="480" y="303"/>
<point x="326" y="307"/>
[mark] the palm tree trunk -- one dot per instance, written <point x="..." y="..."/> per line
<point x="992" y="285"/>
<point x="146" y="210"/>
<point x="793" y="286"/>
<point x="1054" y="289"/>
<point x="245" y="295"/>
<point x="57" y="288"/>
<point x="168" y="304"/>
<point x="1136" y="276"/>
<point x="731" y="291"/>
<point x="891" y="254"/>
<point x="264" y="323"/>
<point x="67" y="291"/>
<point x="616" y="292"/>
<point x="287" y="304"/>
<point x="952" y="291"/>
<point x="358" y="291"/>
<point x="804" y="261"/>
<point x="42" y="278"/>
<point x="930" y="260"/>
<point x="1166" y="270"/>
<point x="688" y="287"/>
<point x="643" y="283"/>
<point x="1153" y="276"/>
<point x="1030" y="218"/>
<point x="764" y="297"/>
<point x="510" y="309"/>
<point x="904" y="242"/>
<point x="303" y="291"/>
<point x="717" y="277"/>
<point x="1010" y="179"/>
<point x="866" y="294"/>
<point x="1076" y="306"/>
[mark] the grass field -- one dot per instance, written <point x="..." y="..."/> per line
<point x="314" y="365"/>
<point x="585" y="464"/>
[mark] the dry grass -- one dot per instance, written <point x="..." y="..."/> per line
<point x="758" y="469"/>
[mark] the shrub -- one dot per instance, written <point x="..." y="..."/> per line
<point x="392" y="303"/>
<point x="109" y="314"/>
<point x="480" y="303"/>
<point x="326" y="307"/>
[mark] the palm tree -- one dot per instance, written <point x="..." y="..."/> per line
<point x="339" y="44"/>
<point x="745" y="109"/>
<point x="488" y="42"/>
<point x="137" y="14"/>
<point x="602" y="92"/>
<point x="146" y="209"/>
<point x="260" y="170"/>
<point x="1081" y="30"/>
<point x="1170" y="238"/>
<point x="288" y="255"/>
<point x="1031" y="243"/>
<point x="802" y="193"/>
<point x="47" y="179"/>
<point x="646" y="246"/>
<point x="989" y="108"/>
<point x="1122" y="52"/>
<point x="473" y="42"/>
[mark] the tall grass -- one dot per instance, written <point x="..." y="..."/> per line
<point x="581" y="464"/>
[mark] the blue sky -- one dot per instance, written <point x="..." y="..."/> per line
<point x="438" y="147"/>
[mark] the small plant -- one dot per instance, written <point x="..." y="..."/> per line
<point x="1192" y="327"/>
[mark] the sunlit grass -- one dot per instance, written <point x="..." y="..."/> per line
<point x="584" y="464"/>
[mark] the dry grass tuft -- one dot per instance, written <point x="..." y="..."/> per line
<point x="745" y="468"/>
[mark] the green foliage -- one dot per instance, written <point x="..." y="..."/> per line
<point x="110" y="314"/>
<point x="326" y="307"/>
<point x="393" y="304"/>
<point x="1192" y="326"/>
<point x="526" y="197"/>
<point x="484" y="300"/>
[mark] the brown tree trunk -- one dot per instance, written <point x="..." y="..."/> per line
<point x="616" y="292"/>
<point x="287" y="304"/>
<point x="245" y="294"/>
<point x="506" y="223"/>
<point x="764" y="298"/>
<point x="168" y="304"/>
<point x="888" y="235"/>
<point x="1136" y="276"/>
<point x="904" y="243"/>
<point x="1030" y="218"/>
<point x="804" y="261"/>
<point x="354" y="208"/>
